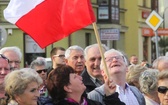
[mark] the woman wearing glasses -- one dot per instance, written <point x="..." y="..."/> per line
<point x="163" y="87"/>
<point x="22" y="87"/>
<point x="40" y="66"/>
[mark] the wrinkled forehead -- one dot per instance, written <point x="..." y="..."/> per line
<point x="163" y="82"/>
<point x="112" y="53"/>
<point x="76" y="52"/>
<point x="4" y="63"/>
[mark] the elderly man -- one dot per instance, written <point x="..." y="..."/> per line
<point x="161" y="63"/>
<point x="74" y="56"/>
<point x="14" y="55"/>
<point x="117" y="67"/>
<point x="40" y="65"/>
<point x="92" y="76"/>
<point x="57" y="55"/>
<point x="4" y="70"/>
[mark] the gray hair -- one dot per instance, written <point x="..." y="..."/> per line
<point x="105" y="48"/>
<point x="17" y="81"/>
<point x="68" y="51"/>
<point x="112" y="51"/>
<point x="134" y="72"/>
<point x="163" y="75"/>
<point x="40" y="61"/>
<point x="13" y="48"/>
<point x="148" y="81"/>
<point x="160" y="59"/>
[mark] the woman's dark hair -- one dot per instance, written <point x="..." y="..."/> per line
<point x="57" y="79"/>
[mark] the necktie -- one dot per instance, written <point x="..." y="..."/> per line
<point x="98" y="83"/>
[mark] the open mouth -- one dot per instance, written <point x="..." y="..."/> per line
<point x="97" y="68"/>
<point x="80" y="65"/>
<point x="116" y="66"/>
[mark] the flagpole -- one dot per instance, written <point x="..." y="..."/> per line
<point x="100" y="48"/>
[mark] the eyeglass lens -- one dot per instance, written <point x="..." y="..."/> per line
<point x="40" y="71"/>
<point x="162" y="89"/>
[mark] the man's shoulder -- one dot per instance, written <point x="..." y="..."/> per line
<point x="85" y="73"/>
<point x="86" y="78"/>
<point x="98" y="90"/>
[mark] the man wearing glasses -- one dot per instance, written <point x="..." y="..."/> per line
<point x="14" y="55"/>
<point x="40" y="66"/>
<point x="117" y="67"/>
<point x="4" y="70"/>
<point x="57" y="55"/>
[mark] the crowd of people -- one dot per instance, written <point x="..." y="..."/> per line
<point x="79" y="77"/>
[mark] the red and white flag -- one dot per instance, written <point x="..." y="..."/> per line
<point x="48" y="21"/>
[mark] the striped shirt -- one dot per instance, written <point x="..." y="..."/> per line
<point x="127" y="96"/>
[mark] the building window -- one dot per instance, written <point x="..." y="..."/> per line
<point x="108" y="11"/>
<point x="115" y="11"/>
<point x="87" y="37"/>
<point x="144" y="3"/>
<point x="154" y="5"/>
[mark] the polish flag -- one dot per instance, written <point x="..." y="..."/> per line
<point x="48" y="21"/>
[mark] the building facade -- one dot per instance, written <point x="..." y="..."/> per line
<point x="120" y="24"/>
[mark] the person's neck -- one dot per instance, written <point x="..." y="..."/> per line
<point x="79" y="73"/>
<point x="2" y="94"/>
<point x="54" y="66"/>
<point x="75" y="97"/>
<point x="154" y="97"/>
<point x="119" y="80"/>
<point x="2" y="91"/>
<point x="57" y="65"/>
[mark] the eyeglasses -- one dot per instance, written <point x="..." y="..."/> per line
<point x="16" y="62"/>
<point x="61" y="56"/>
<point x="162" y="89"/>
<point x="40" y="71"/>
<point x="109" y="59"/>
<point x="4" y="57"/>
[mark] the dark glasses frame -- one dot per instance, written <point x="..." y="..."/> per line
<point x="61" y="56"/>
<point x="4" y="57"/>
<point x="42" y="70"/>
<point x="162" y="89"/>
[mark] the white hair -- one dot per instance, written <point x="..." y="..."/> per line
<point x="159" y="59"/>
<point x="40" y="61"/>
<point x="112" y="51"/>
<point x="94" y="45"/>
<point x="13" y="48"/>
<point x="68" y="51"/>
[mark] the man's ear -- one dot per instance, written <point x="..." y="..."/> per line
<point x="17" y="98"/>
<point x="52" y="58"/>
<point x="68" y="89"/>
<point x="66" y="61"/>
<point x="102" y="72"/>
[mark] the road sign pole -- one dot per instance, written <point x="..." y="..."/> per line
<point x="156" y="43"/>
<point x="154" y="20"/>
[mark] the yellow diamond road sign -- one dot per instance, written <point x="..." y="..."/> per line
<point x="154" y="20"/>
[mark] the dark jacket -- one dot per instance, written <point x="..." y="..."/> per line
<point x="87" y="81"/>
<point x="108" y="100"/>
<point x="65" y="102"/>
<point x="45" y="101"/>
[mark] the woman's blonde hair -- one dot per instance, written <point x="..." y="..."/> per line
<point x="17" y="81"/>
